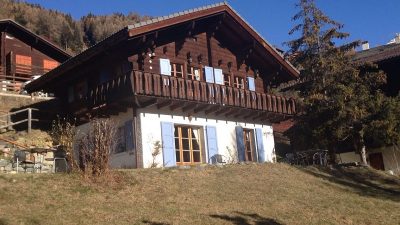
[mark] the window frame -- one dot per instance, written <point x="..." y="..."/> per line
<point x="190" y="138"/>
<point x="190" y="74"/>
<point x="49" y="64"/>
<point x="238" y="82"/>
<point x="174" y="71"/>
<point x="227" y="82"/>
<point x="249" y="145"/>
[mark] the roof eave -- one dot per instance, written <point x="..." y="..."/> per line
<point x="24" y="29"/>
<point x="89" y="53"/>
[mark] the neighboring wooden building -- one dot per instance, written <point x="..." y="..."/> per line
<point x="24" y="54"/>
<point x="196" y="81"/>
<point x="387" y="57"/>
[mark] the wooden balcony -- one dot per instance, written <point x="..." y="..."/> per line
<point x="145" y="89"/>
<point x="173" y="88"/>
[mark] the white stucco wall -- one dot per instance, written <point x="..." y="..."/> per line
<point x="226" y="135"/>
<point x="151" y="118"/>
<point x="348" y="157"/>
<point x="117" y="160"/>
<point x="391" y="158"/>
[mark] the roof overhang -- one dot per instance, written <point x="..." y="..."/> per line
<point x="378" y="54"/>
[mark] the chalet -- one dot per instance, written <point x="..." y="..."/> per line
<point x="196" y="81"/>
<point x="24" y="55"/>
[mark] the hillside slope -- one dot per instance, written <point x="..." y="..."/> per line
<point x="60" y="28"/>
<point x="238" y="194"/>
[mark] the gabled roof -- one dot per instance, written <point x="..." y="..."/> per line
<point x="17" y="29"/>
<point x="378" y="54"/>
<point x="158" y="23"/>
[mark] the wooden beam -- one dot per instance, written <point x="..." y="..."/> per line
<point x="223" y="110"/>
<point x="269" y="116"/>
<point x="258" y="115"/>
<point x="238" y="113"/>
<point x="191" y="27"/>
<point x="278" y="118"/>
<point x="200" y="108"/>
<point x="189" y="107"/>
<point x="248" y="115"/>
<point x="164" y="104"/>
<point x="212" y="109"/>
<point x="176" y="105"/>
<point x="149" y="103"/>
<point x="231" y="112"/>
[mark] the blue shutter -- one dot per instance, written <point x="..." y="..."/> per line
<point x="250" y="82"/>
<point x="260" y="145"/>
<point x="212" y="143"/>
<point x="240" y="144"/>
<point x="165" y="67"/>
<point x="219" y="76"/>
<point x="209" y="74"/>
<point x="129" y="135"/>
<point x="168" y="144"/>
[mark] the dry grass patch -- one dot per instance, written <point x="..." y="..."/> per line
<point x="237" y="194"/>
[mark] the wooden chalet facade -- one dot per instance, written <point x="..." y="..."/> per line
<point x="196" y="81"/>
<point x="23" y="55"/>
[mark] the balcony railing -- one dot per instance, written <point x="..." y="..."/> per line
<point x="157" y="85"/>
<point x="12" y="78"/>
<point x="173" y="88"/>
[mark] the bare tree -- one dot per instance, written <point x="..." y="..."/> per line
<point x="96" y="147"/>
<point x="154" y="154"/>
<point x="63" y="133"/>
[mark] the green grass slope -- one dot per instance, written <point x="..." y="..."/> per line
<point x="237" y="194"/>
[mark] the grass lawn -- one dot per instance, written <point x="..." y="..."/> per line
<point x="236" y="194"/>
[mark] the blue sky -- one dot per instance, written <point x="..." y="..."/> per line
<point x="375" y="21"/>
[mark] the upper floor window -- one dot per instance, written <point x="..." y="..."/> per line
<point x="177" y="70"/>
<point x="49" y="64"/>
<point x="238" y="82"/>
<point x="227" y="79"/>
<point x="23" y="60"/>
<point x="193" y="73"/>
<point x="23" y="65"/>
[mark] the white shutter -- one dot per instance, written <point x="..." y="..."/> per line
<point x="165" y="67"/>
<point x="219" y="76"/>
<point x="209" y="74"/>
<point x="251" y="84"/>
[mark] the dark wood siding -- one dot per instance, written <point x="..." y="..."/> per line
<point x="212" y="51"/>
<point x="20" y="48"/>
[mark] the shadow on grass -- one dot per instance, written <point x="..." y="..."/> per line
<point x="363" y="181"/>
<point x="247" y="219"/>
<point x="154" y="223"/>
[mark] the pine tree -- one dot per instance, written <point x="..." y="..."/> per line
<point x="342" y="101"/>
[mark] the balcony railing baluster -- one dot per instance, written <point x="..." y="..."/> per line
<point x="197" y="93"/>
<point x="203" y="91"/>
<point x="181" y="88"/>
<point x="189" y="92"/>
